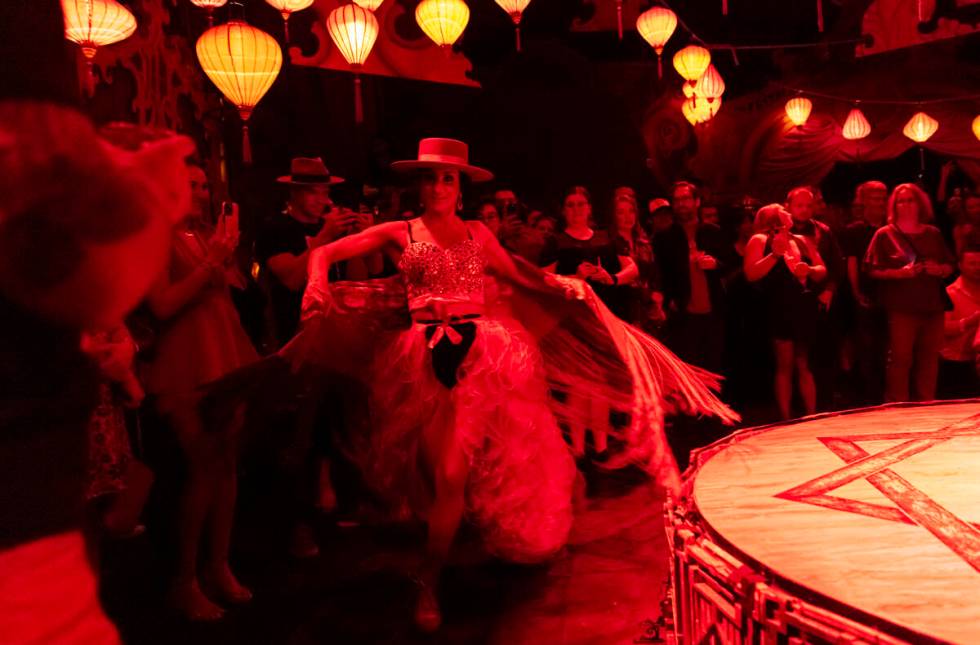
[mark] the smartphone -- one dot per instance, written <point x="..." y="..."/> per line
<point x="228" y="223"/>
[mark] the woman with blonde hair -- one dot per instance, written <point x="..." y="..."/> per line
<point x="909" y="259"/>
<point x="787" y="267"/>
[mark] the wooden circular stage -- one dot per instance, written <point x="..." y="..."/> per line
<point x="871" y="515"/>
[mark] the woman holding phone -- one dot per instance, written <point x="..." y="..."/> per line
<point x="786" y="266"/>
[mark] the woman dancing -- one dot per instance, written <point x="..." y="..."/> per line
<point x="465" y="424"/>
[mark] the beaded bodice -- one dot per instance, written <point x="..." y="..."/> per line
<point x="454" y="273"/>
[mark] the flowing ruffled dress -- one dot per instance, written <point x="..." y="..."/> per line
<point x="529" y="338"/>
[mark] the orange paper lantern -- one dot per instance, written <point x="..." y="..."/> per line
<point x="515" y="9"/>
<point x="856" y="126"/>
<point x="691" y="62"/>
<point x="370" y="5"/>
<point x="354" y="31"/>
<point x="96" y="23"/>
<point x="288" y="8"/>
<point x="700" y="110"/>
<point x="711" y="85"/>
<point x="242" y="62"/>
<point x="976" y="127"/>
<point x="798" y="110"/>
<point x="443" y="21"/>
<point x="656" y="25"/>
<point x="209" y="6"/>
<point x="920" y="127"/>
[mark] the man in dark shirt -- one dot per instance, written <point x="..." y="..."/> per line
<point x="867" y="332"/>
<point x="689" y="254"/>
<point x="285" y="240"/>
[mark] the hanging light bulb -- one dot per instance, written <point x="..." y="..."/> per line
<point x="354" y="31"/>
<point x="710" y="86"/>
<point x="242" y="62"/>
<point x="976" y="127"/>
<point x="920" y="127"/>
<point x="656" y="25"/>
<point x="96" y="23"/>
<point x="209" y="6"/>
<point x="515" y="9"/>
<point x="856" y="126"/>
<point x="798" y="110"/>
<point x="288" y="8"/>
<point x="691" y="62"/>
<point x="370" y="5"/>
<point x="442" y="20"/>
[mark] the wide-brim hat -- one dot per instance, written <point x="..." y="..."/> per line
<point x="444" y="153"/>
<point x="304" y="171"/>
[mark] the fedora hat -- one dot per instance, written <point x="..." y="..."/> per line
<point x="309" y="172"/>
<point x="444" y="153"/>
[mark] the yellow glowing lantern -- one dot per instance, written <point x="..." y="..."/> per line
<point x="96" y="23"/>
<point x="699" y="110"/>
<point x="209" y="6"/>
<point x="976" y="127"/>
<point x="691" y="62"/>
<point x="242" y="62"/>
<point x="515" y="9"/>
<point x="920" y="127"/>
<point x="710" y="86"/>
<point x="288" y="8"/>
<point x="856" y="126"/>
<point x="354" y="31"/>
<point x="370" y="5"/>
<point x="442" y="20"/>
<point x="798" y="110"/>
<point x="656" y="25"/>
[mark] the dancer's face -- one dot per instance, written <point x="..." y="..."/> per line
<point x="439" y="191"/>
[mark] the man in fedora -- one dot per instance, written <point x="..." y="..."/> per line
<point x="310" y="220"/>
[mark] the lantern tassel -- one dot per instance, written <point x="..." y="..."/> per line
<point x="246" y="146"/>
<point x="724" y="7"/>
<point x="619" y="17"/>
<point x="285" y="26"/>
<point x="660" y="67"/>
<point x="820" y="16"/>
<point x="517" y="36"/>
<point x="358" y="102"/>
<point x="90" y="76"/>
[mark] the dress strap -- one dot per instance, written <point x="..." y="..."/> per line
<point x="408" y="224"/>
<point x="468" y="231"/>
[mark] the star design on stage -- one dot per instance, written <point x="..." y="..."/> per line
<point x="911" y="504"/>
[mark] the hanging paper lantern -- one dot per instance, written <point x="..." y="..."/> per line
<point x="443" y="21"/>
<point x="242" y="62"/>
<point x="691" y="62"/>
<point x="370" y="5"/>
<point x="515" y="9"/>
<point x="798" y="110"/>
<point x="288" y="8"/>
<point x="96" y="23"/>
<point x="209" y="6"/>
<point x="699" y="110"/>
<point x="656" y="25"/>
<point x="354" y="30"/>
<point x="856" y="126"/>
<point x="920" y="127"/>
<point x="976" y="127"/>
<point x="710" y="86"/>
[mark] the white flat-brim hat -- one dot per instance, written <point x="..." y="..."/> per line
<point x="444" y="153"/>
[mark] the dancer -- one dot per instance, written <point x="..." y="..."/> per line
<point x="464" y="422"/>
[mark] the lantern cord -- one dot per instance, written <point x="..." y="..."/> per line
<point x="619" y="18"/>
<point x="851" y="99"/>
<point x="246" y="145"/>
<point x="358" y="101"/>
<point x="820" y="16"/>
<point x="517" y="36"/>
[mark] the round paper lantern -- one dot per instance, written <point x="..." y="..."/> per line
<point x="515" y="9"/>
<point x="711" y="85"/>
<point x="242" y="62"/>
<point x="209" y="6"/>
<point x="699" y="110"/>
<point x="354" y="31"/>
<point x="920" y="127"/>
<point x="96" y="23"/>
<point x="656" y="25"/>
<point x="976" y="127"/>
<point x="288" y="8"/>
<point x="798" y="110"/>
<point x="442" y="20"/>
<point x="856" y="126"/>
<point x="370" y="5"/>
<point x="691" y="62"/>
